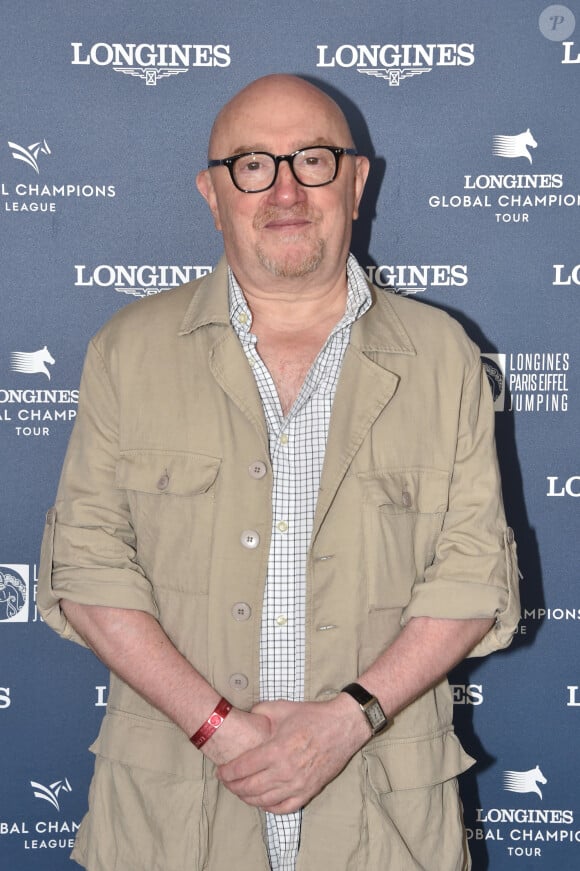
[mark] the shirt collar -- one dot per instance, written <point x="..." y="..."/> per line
<point x="358" y="299"/>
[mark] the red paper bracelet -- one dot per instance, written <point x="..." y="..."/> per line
<point x="212" y="723"/>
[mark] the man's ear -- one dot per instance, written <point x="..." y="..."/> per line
<point x="205" y="187"/>
<point x="362" y="168"/>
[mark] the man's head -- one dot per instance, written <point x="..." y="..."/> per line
<point x="288" y="231"/>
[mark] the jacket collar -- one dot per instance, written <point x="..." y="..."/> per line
<point x="209" y="303"/>
<point x="378" y="330"/>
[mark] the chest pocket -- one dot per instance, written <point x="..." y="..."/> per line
<point x="171" y="498"/>
<point x="403" y="515"/>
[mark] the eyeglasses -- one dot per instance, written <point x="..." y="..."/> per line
<point x="256" y="171"/>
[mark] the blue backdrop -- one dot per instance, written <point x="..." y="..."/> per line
<point x="469" y="112"/>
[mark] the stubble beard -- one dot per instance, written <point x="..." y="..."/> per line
<point x="290" y="265"/>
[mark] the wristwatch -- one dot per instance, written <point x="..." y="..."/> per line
<point x="369" y="705"/>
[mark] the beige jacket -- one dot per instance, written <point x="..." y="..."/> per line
<point x="154" y="497"/>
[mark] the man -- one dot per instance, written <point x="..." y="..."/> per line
<point x="281" y="495"/>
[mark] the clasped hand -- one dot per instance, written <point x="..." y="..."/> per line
<point x="308" y="745"/>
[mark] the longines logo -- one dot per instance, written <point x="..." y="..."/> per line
<point x="150" y="62"/>
<point x="417" y="279"/>
<point x="528" y="830"/>
<point x="531" y="382"/>
<point x="395" y="63"/>
<point x="139" y="281"/>
<point x="520" y="195"/>
<point x="36" y="197"/>
<point x="32" y="409"/>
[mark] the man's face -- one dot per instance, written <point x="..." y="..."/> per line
<point x="289" y="231"/>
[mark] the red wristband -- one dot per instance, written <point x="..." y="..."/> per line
<point x="212" y="723"/>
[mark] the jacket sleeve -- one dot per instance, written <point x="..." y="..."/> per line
<point x="474" y="572"/>
<point x="88" y="547"/>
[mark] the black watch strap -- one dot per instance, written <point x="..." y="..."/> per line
<point x="369" y="705"/>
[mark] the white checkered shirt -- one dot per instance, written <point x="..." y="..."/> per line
<point x="297" y="446"/>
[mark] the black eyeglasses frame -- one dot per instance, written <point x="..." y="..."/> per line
<point x="278" y="158"/>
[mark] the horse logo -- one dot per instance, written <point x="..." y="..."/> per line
<point x="12" y="593"/>
<point x="50" y="793"/>
<point x="495" y="377"/>
<point x="30" y="154"/>
<point x="32" y="362"/>
<point x="524" y="781"/>
<point x="514" y="146"/>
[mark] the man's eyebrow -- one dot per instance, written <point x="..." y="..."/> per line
<point x="248" y="149"/>
<point x="251" y="149"/>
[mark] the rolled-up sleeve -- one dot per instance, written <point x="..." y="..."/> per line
<point x="88" y="548"/>
<point x="474" y="573"/>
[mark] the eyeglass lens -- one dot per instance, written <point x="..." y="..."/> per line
<point x="312" y="167"/>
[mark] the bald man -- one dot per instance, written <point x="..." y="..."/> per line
<point x="280" y="525"/>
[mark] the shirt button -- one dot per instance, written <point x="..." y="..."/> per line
<point x="282" y="526"/>
<point x="284" y="438"/>
<point x="238" y="681"/>
<point x="257" y="469"/>
<point x="163" y="482"/>
<point x="243" y="318"/>
<point x="250" y="538"/>
<point x="281" y="620"/>
<point x="407" y="500"/>
<point x="241" y="611"/>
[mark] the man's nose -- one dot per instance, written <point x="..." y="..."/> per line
<point x="286" y="189"/>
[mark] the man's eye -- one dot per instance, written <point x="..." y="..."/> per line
<point x="311" y="161"/>
<point x="251" y="165"/>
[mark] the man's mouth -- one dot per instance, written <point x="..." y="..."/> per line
<point x="273" y="220"/>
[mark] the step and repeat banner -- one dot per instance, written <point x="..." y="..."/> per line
<point x="470" y="113"/>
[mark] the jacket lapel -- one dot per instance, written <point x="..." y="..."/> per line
<point x="365" y="388"/>
<point x="227" y="361"/>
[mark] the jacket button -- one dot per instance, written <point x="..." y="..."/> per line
<point x="510" y="535"/>
<point x="257" y="469"/>
<point x="241" y="611"/>
<point x="407" y="500"/>
<point x="250" y="538"/>
<point x="163" y="482"/>
<point x="238" y="681"/>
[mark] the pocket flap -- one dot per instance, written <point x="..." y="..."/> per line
<point x="407" y="490"/>
<point x="154" y="745"/>
<point x="160" y="472"/>
<point x="415" y="764"/>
